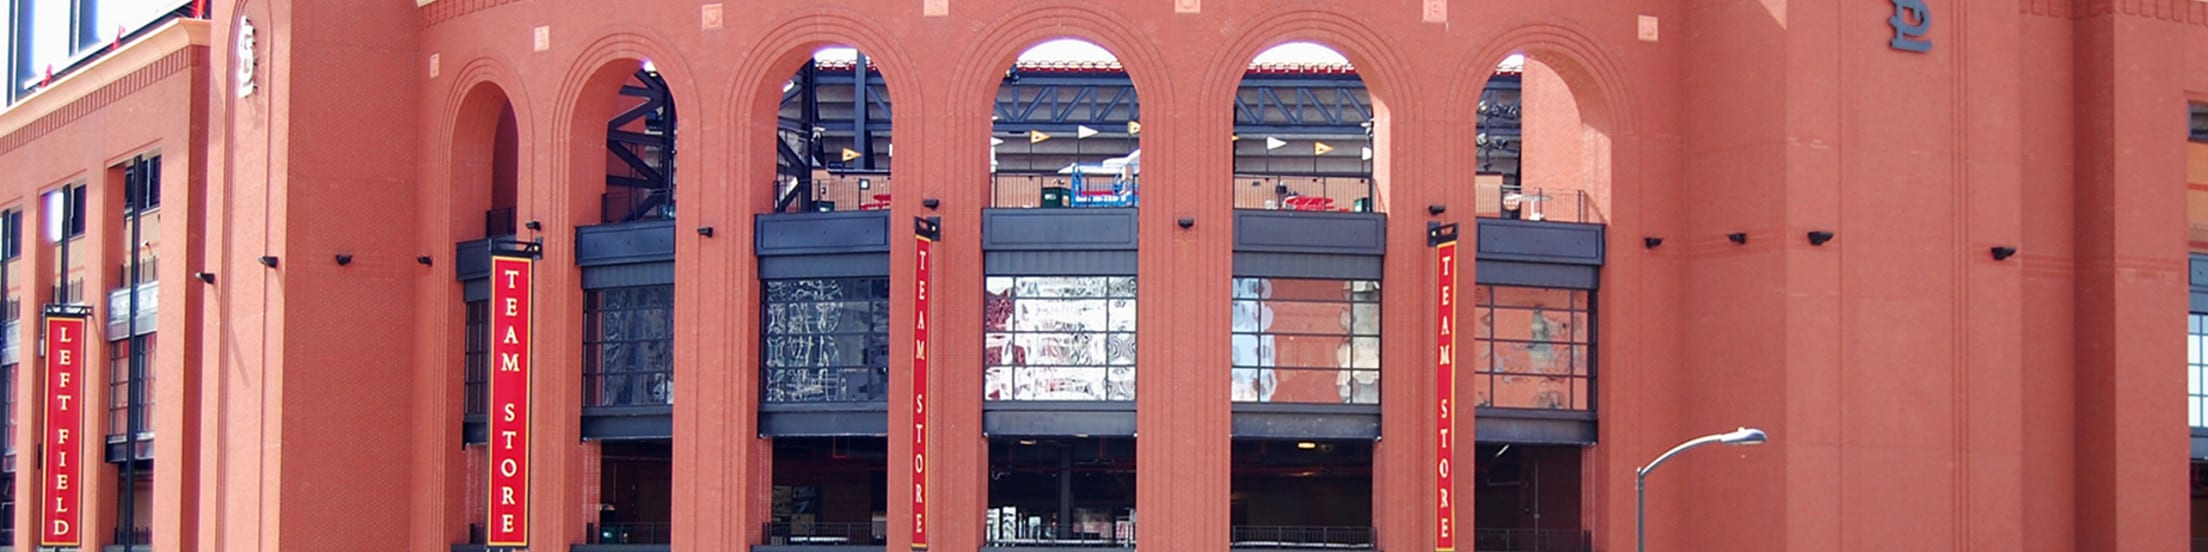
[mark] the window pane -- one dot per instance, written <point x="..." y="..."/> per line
<point x="628" y="346"/>
<point x="1059" y="338"/>
<point x="1532" y="347"/>
<point x="1306" y="340"/>
<point x="825" y="340"/>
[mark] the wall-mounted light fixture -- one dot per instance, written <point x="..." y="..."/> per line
<point x="533" y="225"/>
<point x="1650" y="242"/>
<point x="1436" y="209"/>
<point x="344" y="259"/>
<point x="1186" y="222"/>
<point x="931" y="203"/>
<point x="1819" y="237"/>
<point x="706" y="231"/>
<point x="1738" y="237"/>
<point x="205" y="277"/>
<point x="268" y="261"/>
<point x="425" y="260"/>
<point x="2003" y="252"/>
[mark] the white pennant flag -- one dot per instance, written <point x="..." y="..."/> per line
<point x="1080" y="132"/>
<point x="1368" y="154"/>
<point x="1272" y="143"/>
<point x="995" y="141"/>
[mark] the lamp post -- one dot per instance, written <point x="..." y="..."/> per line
<point x="1742" y="436"/>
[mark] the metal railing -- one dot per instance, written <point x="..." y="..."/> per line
<point x="1538" y="204"/>
<point x="1118" y="535"/>
<point x="1017" y="190"/>
<point x="1304" y="193"/>
<point x="1299" y="537"/>
<point x="141" y="536"/>
<point x="825" y="534"/>
<point x="836" y="191"/>
<point x="1532" y="540"/>
<point x="630" y="533"/>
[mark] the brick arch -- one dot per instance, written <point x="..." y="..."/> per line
<point x="981" y="69"/>
<point x="1384" y="70"/>
<point x="581" y="109"/>
<point x="1380" y="66"/>
<point x="778" y="53"/>
<point x="1597" y="89"/>
<point x="1592" y="73"/>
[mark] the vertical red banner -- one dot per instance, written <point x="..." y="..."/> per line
<point x="509" y="429"/>
<point x="925" y="232"/>
<point x="62" y="523"/>
<point x="1444" y="240"/>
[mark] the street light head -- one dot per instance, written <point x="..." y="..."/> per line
<point x="1744" y="436"/>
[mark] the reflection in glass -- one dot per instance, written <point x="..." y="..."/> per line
<point x="629" y="346"/>
<point x="1532" y="347"/>
<point x="1306" y="341"/>
<point x="2196" y="345"/>
<point x="1059" y="338"/>
<point x="825" y="340"/>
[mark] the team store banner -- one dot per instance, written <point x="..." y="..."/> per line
<point x="511" y="275"/>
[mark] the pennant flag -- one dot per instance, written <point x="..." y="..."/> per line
<point x="1320" y="148"/>
<point x="1081" y="131"/>
<point x="850" y="154"/>
<point x="1036" y="137"/>
<point x="1134" y="127"/>
<point x="995" y="141"/>
<point x="1236" y="138"/>
<point x="1272" y="143"/>
<point x="1368" y="153"/>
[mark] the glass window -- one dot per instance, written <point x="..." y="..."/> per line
<point x="476" y="360"/>
<point x="11" y="234"/>
<point x="1532" y="348"/>
<point x="7" y="409"/>
<point x="1059" y="338"/>
<point x="826" y="340"/>
<point x="1306" y="341"/>
<point x="2196" y="361"/>
<point x="119" y="380"/>
<point x="142" y="184"/>
<point x="629" y="346"/>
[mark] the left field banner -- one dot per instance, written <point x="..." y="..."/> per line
<point x="512" y="271"/>
<point x="61" y="471"/>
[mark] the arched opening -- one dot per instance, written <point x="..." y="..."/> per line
<point x="621" y="193"/>
<point x="1067" y="135"/>
<point x="1303" y="133"/>
<point x="824" y="332"/>
<point x="1306" y="326"/>
<point x="832" y="137"/>
<point x="485" y="164"/>
<point x="640" y="151"/>
<point x="1066" y="130"/>
<point x="1543" y="153"/>
<point x="482" y="196"/>
<point x="1540" y="156"/>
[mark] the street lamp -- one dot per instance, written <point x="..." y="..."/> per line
<point x="1742" y="436"/>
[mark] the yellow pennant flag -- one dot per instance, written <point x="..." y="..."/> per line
<point x="1320" y="148"/>
<point x="850" y="154"/>
<point x="1036" y="137"/>
<point x="1134" y="127"/>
